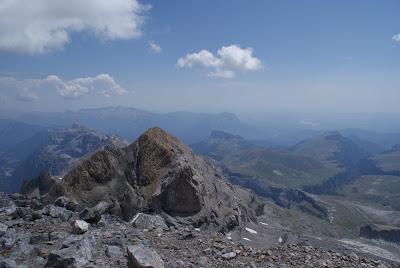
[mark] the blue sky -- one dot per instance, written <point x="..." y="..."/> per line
<point x="315" y="56"/>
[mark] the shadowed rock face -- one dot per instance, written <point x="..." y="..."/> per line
<point x="387" y="233"/>
<point x="39" y="185"/>
<point x="180" y="197"/>
<point x="158" y="173"/>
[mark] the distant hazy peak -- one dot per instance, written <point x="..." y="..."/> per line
<point x="333" y="134"/>
<point x="395" y="148"/>
<point x="222" y="135"/>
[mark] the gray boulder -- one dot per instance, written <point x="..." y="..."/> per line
<point x="36" y="204"/>
<point x="62" y="201"/>
<point x="3" y="229"/>
<point x="229" y="255"/>
<point x="39" y="238"/>
<point x="57" y="212"/>
<point x="7" y="241"/>
<point x="114" y="252"/>
<point x="146" y="221"/>
<point x="78" y="253"/>
<point x="140" y="256"/>
<point x="22" y="213"/>
<point x="79" y="227"/>
<point x="67" y="203"/>
<point x="93" y="215"/>
<point x="7" y="264"/>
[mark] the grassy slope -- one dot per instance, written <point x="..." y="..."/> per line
<point x="280" y="167"/>
<point x="310" y="162"/>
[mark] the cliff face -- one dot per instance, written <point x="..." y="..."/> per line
<point x="158" y="173"/>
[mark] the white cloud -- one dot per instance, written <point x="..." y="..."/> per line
<point x="42" y="26"/>
<point x="28" y="89"/>
<point x="73" y="89"/>
<point x="25" y="94"/>
<point x="228" y="61"/>
<point x="396" y="38"/>
<point x="204" y="58"/>
<point x="154" y="47"/>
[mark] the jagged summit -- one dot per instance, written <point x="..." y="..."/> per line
<point x="161" y="138"/>
<point x="158" y="173"/>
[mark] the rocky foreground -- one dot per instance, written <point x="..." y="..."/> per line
<point x="65" y="234"/>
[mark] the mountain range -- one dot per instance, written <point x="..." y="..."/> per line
<point x="331" y="186"/>
<point x="161" y="203"/>
<point x="353" y="186"/>
<point x="50" y="150"/>
<point x="129" y="123"/>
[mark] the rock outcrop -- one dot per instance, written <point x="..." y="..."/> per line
<point x="158" y="173"/>
<point x="39" y="185"/>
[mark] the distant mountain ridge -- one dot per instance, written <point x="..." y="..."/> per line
<point x="129" y="123"/>
<point x="56" y="151"/>
<point x="311" y="161"/>
<point x="331" y="146"/>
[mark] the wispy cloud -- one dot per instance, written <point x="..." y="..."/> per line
<point x="42" y="26"/>
<point x="72" y="89"/>
<point x="29" y="89"/>
<point x="228" y="61"/>
<point x="308" y="123"/>
<point x="154" y="47"/>
<point x="396" y="38"/>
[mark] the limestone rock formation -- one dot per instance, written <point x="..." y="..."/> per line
<point x="158" y="173"/>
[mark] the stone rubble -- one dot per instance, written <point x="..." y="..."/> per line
<point x="51" y="241"/>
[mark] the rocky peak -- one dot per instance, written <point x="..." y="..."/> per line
<point x="158" y="173"/>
